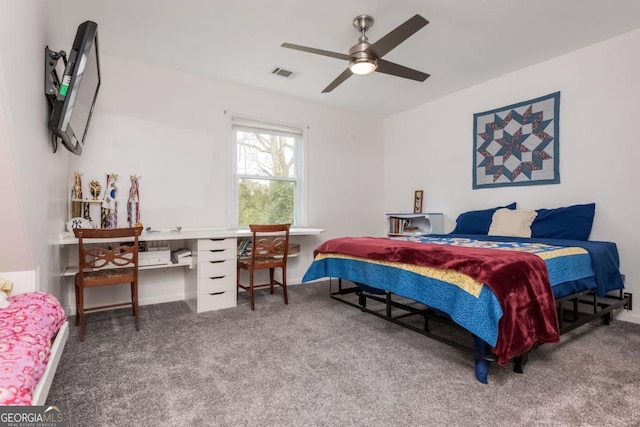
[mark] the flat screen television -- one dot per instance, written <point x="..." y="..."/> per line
<point x="73" y="97"/>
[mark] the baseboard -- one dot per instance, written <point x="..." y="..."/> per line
<point x="298" y="281"/>
<point x="628" y="316"/>
<point x="70" y="310"/>
<point x="162" y="299"/>
<point x="294" y="281"/>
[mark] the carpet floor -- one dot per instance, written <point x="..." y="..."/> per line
<point x="318" y="362"/>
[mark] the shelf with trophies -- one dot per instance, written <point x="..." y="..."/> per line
<point x="94" y="212"/>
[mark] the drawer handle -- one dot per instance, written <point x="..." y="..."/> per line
<point x="217" y="240"/>
<point x="216" y="250"/>
<point x="216" y="293"/>
<point x="216" y="262"/>
<point x="217" y="277"/>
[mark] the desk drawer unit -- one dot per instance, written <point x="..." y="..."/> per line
<point x="216" y="301"/>
<point x="214" y="244"/>
<point x="216" y="274"/>
<point x="217" y="254"/>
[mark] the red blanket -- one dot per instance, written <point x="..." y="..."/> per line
<point x="519" y="280"/>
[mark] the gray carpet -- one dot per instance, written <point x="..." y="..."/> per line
<point x="318" y="362"/>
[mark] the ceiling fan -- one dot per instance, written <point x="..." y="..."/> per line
<point x="365" y="58"/>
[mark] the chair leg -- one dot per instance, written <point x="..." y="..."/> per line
<point x="80" y="313"/>
<point x="133" y="307"/>
<point x="251" y="290"/>
<point x="77" y="290"/>
<point x="271" y="276"/>
<point x="134" y="304"/>
<point x="284" y="286"/>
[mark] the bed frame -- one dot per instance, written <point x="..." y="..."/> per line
<point x="41" y="391"/>
<point x="23" y="282"/>
<point x="584" y="307"/>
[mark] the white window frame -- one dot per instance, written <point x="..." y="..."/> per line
<point x="300" y="193"/>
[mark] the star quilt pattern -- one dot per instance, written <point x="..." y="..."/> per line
<point x="517" y="144"/>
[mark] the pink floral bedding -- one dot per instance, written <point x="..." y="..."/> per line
<point x="27" y="328"/>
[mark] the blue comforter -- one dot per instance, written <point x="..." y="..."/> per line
<point x="473" y="307"/>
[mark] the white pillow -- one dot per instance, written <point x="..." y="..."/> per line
<point x="514" y="223"/>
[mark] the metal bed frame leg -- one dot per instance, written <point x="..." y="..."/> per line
<point x="520" y="361"/>
<point x="362" y="300"/>
<point x="426" y="322"/>
<point x="388" y="311"/>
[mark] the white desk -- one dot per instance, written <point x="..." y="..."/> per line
<point x="191" y="234"/>
<point x="212" y="284"/>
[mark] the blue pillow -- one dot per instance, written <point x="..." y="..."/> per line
<point x="477" y="222"/>
<point x="571" y="222"/>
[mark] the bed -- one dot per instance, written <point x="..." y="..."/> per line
<point x="509" y="292"/>
<point x="33" y="332"/>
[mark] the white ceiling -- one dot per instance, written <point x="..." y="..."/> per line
<point x="465" y="43"/>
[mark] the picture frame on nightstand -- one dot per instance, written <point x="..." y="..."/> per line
<point x="417" y="201"/>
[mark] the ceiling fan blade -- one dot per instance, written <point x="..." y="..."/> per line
<point x="317" y="51"/>
<point x="341" y="78"/>
<point x="394" y="69"/>
<point x="397" y="36"/>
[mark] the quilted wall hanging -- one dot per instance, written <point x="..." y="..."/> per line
<point x="517" y="144"/>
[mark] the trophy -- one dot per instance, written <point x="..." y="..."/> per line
<point x="94" y="189"/>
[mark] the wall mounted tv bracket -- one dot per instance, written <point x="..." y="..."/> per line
<point x="52" y="81"/>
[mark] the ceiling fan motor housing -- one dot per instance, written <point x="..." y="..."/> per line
<point x="360" y="51"/>
<point x="360" y="55"/>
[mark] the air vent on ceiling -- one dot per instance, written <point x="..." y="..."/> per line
<point x="282" y="72"/>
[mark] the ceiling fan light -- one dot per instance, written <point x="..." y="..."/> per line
<point x="363" y="66"/>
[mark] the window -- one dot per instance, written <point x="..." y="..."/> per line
<point x="268" y="181"/>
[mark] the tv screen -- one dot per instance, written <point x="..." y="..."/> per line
<point x="73" y="104"/>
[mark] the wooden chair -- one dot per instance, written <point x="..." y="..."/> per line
<point x="104" y="265"/>
<point x="269" y="250"/>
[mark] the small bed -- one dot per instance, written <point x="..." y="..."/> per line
<point x="509" y="292"/>
<point x="33" y="332"/>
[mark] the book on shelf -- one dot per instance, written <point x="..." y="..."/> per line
<point x="244" y="247"/>
<point x="401" y="225"/>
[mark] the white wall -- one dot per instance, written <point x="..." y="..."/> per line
<point x="33" y="189"/>
<point x="170" y="128"/>
<point x="430" y="147"/>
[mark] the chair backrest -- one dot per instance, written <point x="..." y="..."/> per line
<point x="270" y="241"/>
<point x="107" y="254"/>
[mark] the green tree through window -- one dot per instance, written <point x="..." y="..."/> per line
<point x="267" y="172"/>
